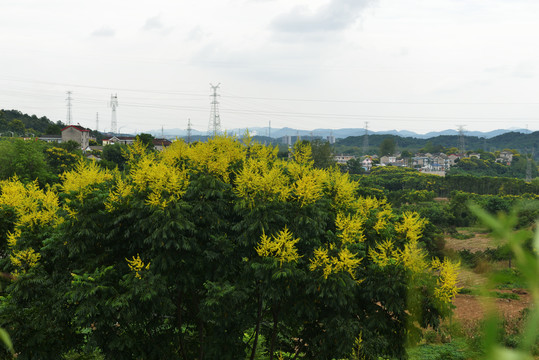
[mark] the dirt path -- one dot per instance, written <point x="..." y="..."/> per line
<point x="470" y="309"/>
<point x="479" y="242"/>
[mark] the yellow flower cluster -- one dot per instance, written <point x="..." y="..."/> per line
<point x="383" y="218"/>
<point x="176" y="153"/>
<point x="302" y="154"/>
<point x="266" y="178"/>
<point x="446" y="288"/>
<point x="33" y="207"/>
<point x="340" y="188"/>
<point x="121" y="191"/>
<point x="385" y="253"/>
<point x="82" y="178"/>
<point x="216" y="155"/>
<point x="137" y="265"/>
<point x="62" y="156"/>
<point x="24" y="259"/>
<point x="262" y="177"/>
<point x="164" y="183"/>
<point x="350" y="227"/>
<point x="135" y="152"/>
<point x="412" y="225"/>
<point x="308" y="188"/>
<point x="412" y="257"/>
<point x="365" y="205"/>
<point x="281" y="247"/>
<point x="344" y="261"/>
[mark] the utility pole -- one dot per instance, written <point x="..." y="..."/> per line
<point x="269" y="129"/>
<point x="214" y="127"/>
<point x="189" y="130"/>
<point x="366" y="139"/>
<point x="97" y="121"/>
<point x="113" y="104"/>
<point x="69" y="117"/>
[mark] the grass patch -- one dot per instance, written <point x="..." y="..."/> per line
<point x="505" y="295"/>
<point x="508" y="279"/>
<point x="456" y="350"/>
<point x="467" y="291"/>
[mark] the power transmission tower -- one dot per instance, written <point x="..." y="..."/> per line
<point x="113" y="104"/>
<point x="189" y="130"/>
<point x="462" y="147"/>
<point x="214" y="127"/>
<point x="366" y="139"/>
<point x="96" y="121"/>
<point x="69" y="117"/>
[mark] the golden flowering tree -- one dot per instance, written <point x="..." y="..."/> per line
<point x="213" y="238"/>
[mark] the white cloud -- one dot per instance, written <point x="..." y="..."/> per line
<point x="104" y="32"/>
<point x="153" y="23"/>
<point x="336" y="15"/>
<point x="524" y="70"/>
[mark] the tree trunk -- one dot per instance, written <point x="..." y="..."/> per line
<point x="180" y="325"/>
<point x="257" y="329"/>
<point x="275" y="312"/>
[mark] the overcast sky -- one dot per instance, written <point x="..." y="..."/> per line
<point x="418" y="65"/>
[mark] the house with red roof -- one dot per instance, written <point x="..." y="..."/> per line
<point x="78" y="134"/>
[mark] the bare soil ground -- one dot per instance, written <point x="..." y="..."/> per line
<point x="471" y="309"/>
<point x="479" y="242"/>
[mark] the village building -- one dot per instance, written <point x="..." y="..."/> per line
<point x="343" y="159"/>
<point x="124" y="140"/>
<point x="78" y="134"/>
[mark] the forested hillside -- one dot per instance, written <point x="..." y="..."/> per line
<point x="21" y="124"/>
<point x="522" y="142"/>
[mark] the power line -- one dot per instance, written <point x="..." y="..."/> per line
<point x="380" y="101"/>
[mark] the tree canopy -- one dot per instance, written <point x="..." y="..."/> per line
<point x="210" y="250"/>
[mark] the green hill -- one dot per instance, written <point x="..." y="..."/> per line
<point x="23" y="124"/>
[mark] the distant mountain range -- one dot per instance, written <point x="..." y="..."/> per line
<point x="338" y="133"/>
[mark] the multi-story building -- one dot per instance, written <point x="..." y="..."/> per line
<point x="78" y="134"/>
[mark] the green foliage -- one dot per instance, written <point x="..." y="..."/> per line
<point x="322" y="154"/>
<point x="442" y="143"/>
<point x="456" y="350"/>
<point x="194" y="247"/>
<point x="24" y="159"/>
<point x="431" y="148"/>
<point x="354" y="166"/>
<point x="387" y="147"/>
<point x="523" y="344"/>
<point x="487" y="166"/>
<point x="146" y="139"/>
<point x="114" y="155"/>
<point x="61" y="160"/>
<point x="70" y="146"/>
<point x="16" y="121"/>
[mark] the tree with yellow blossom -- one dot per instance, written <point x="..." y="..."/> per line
<point x="214" y="249"/>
